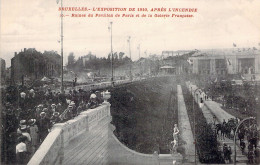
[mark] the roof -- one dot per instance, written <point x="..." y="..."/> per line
<point x="167" y="67"/>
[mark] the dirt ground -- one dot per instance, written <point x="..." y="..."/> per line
<point x="144" y="114"/>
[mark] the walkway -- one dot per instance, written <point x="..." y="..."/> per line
<point x="211" y="108"/>
<point x="185" y="127"/>
<point x="209" y="117"/>
<point x="90" y="147"/>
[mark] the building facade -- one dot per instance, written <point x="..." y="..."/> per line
<point x="228" y="62"/>
<point x="3" y="70"/>
<point x="31" y="64"/>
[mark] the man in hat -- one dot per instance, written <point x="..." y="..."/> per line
<point x="99" y="97"/>
<point x="23" y="100"/>
<point x="68" y="113"/>
<point x="24" y="132"/>
<point x="74" y="109"/>
<point x="53" y="108"/>
<point x="55" y="118"/>
<point x="80" y="108"/>
<point x="242" y="146"/>
<point x="59" y="108"/>
<point x="93" y="101"/>
<point x="22" y="123"/>
<point x="34" y="135"/>
<point x="48" y="112"/>
<point x="31" y="97"/>
<point x="43" y="125"/>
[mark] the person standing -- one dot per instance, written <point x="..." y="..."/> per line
<point x="21" y="151"/>
<point x="43" y="126"/>
<point x="24" y="130"/>
<point x="242" y="146"/>
<point x="34" y="135"/>
<point x="55" y="118"/>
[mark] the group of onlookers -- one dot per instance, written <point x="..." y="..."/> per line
<point x="250" y="134"/>
<point x="27" y="120"/>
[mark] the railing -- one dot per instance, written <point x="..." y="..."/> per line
<point x="51" y="150"/>
<point x="107" y="84"/>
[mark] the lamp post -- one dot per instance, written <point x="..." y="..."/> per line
<point x="235" y="151"/>
<point x="194" y="125"/>
<point x="129" y="37"/>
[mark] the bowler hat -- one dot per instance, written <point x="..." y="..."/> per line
<point x="31" y="122"/>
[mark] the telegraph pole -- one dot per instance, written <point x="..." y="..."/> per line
<point x="112" y="58"/>
<point x="129" y="37"/>
<point x="139" y="48"/>
<point x="61" y="41"/>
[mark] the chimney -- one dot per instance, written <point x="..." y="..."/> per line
<point x="24" y="49"/>
<point x="15" y="53"/>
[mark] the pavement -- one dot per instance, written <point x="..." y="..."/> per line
<point x="185" y="128"/>
<point x="211" y="108"/>
<point x="214" y="109"/>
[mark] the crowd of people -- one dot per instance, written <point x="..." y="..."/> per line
<point x="248" y="139"/>
<point x="27" y="118"/>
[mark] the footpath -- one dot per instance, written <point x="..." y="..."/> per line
<point x="211" y="108"/>
<point x="185" y="128"/>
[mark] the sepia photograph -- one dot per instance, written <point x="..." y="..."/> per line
<point x="130" y="82"/>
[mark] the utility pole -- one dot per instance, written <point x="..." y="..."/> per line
<point x="129" y="37"/>
<point x="61" y="40"/>
<point x="139" y="48"/>
<point x="112" y="58"/>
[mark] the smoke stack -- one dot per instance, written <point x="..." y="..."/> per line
<point x="24" y="49"/>
<point x="15" y="53"/>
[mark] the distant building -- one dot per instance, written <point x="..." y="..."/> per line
<point x="31" y="64"/>
<point x="3" y="70"/>
<point x="8" y="75"/>
<point x="87" y="58"/>
<point x="167" y="70"/>
<point x="221" y="62"/>
<point x="174" y="53"/>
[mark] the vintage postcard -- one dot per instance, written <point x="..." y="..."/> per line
<point x="138" y="82"/>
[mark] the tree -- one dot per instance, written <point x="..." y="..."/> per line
<point x="71" y="60"/>
<point x="121" y="54"/>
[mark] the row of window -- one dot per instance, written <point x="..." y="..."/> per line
<point x="219" y="72"/>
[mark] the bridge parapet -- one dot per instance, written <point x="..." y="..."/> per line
<point x="121" y="154"/>
<point x="51" y="150"/>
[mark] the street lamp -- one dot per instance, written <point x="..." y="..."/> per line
<point x="235" y="151"/>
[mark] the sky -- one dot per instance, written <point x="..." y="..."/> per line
<point x="217" y="24"/>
